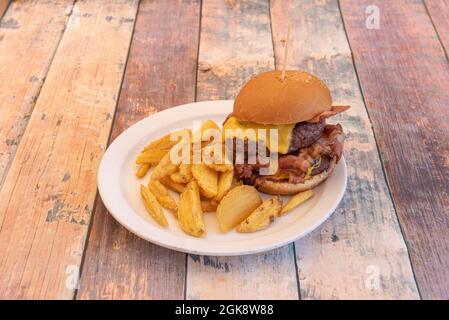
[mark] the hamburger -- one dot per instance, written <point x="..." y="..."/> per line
<point x="308" y="149"/>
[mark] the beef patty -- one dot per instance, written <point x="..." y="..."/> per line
<point x="304" y="134"/>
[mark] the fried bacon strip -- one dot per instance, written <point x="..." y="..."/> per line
<point x="326" y="114"/>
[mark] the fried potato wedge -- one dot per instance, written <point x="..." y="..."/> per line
<point x="162" y="195"/>
<point x="236" y="206"/>
<point x="153" y="207"/>
<point x="190" y="214"/>
<point x="262" y="217"/>
<point x="142" y="171"/>
<point x="164" y="168"/>
<point x="207" y="179"/>
<point x="209" y="205"/>
<point x="221" y="167"/>
<point x="151" y="156"/>
<point x="209" y="124"/>
<point x="183" y="175"/>
<point x="225" y="180"/>
<point x="295" y="201"/>
<point x="174" y="186"/>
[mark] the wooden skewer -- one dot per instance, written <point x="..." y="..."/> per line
<point x="285" y="53"/>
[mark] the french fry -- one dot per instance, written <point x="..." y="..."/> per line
<point x="236" y="206"/>
<point x="209" y="124"/>
<point x="221" y="167"/>
<point x="142" y="171"/>
<point x="209" y="205"/>
<point x="207" y="179"/>
<point x="174" y="186"/>
<point x="151" y="156"/>
<point x="295" y="201"/>
<point x="162" y="196"/>
<point x="153" y="207"/>
<point x="164" y="168"/>
<point x="190" y="214"/>
<point x="225" y="180"/>
<point x="165" y="143"/>
<point x="262" y="217"/>
<point x="184" y="175"/>
<point x="185" y="170"/>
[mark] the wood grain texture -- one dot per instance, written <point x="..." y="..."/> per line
<point x="404" y="76"/>
<point x="3" y="6"/>
<point x="49" y="191"/>
<point x="439" y="13"/>
<point x="160" y="73"/>
<point x="359" y="253"/>
<point x="235" y="45"/>
<point x="29" y="35"/>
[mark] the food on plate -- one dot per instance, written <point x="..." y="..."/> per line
<point x="306" y="150"/>
<point x="295" y="201"/>
<point x="297" y="107"/>
<point x="164" y="168"/>
<point x="236" y="206"/>
<point x="162" y="196"/>
<point x="151" y="156"/>
<point x="166" y="142"/>
<point x="208" y="124"/>
<point x="225" y="181"/>
<point x="209" y="205"/>
<point x="190" y="213"/>
<point x="207" y="179"/>
<point x="143" y="169"/>
<point x="262" y="217"/>
<point x="184" y="174"/>
<point x="174" y="186"/>
<point x="221" y="167"/>
<point x="153" y="206"/>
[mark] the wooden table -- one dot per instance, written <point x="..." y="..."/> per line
<point x="73" y="76"/>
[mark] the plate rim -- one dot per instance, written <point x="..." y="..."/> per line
<point x="101" y="181"/>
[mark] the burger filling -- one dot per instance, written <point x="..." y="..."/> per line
<point x="312" y="148"/>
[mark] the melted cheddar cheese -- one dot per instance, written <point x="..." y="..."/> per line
<point x="284" y="133"/>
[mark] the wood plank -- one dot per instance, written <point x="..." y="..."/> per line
<point x="49" y="191"/>
<point x="439" y="13"/>
<point x="29" y="35"/>
<point x="404" y="76"/>
<point x="359" y="253"/>
<point x="160" y="73"/>
<point x="235" y="45"/>
<point x="3" y="7"/>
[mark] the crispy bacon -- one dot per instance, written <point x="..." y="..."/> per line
<point x="327" y="114"/>
<point x="330" y="144"/>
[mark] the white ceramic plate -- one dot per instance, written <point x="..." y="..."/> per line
<point x="119" y="189"/>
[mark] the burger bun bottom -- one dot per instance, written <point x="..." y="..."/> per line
<point x="286" y="188"/>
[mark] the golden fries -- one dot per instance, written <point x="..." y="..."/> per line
<point x="296" y="201"/>
<point x="208" y="186"/>
<point x="207" y="179"/>
<point x="165" y="143"/>
<point x="142" y="171"/>
<point x="184" y="175"/>
<point x="209" y="205"/>
<point x="236" y="206"/>
<point x="162" y="196"/>
<point x="225" y="180"/>
<point x="190" y="214"/>
<point x="262" y="217"/>
<point x="152" y="206"/>
<point x="164" y="168"/>
<point x="200" y="134"/>
<point x="221" y="167"/>
<point x="174" y="186"/>
<point x="151" y="156"/>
